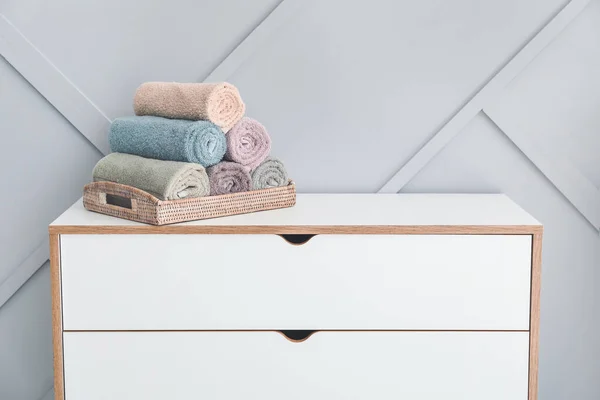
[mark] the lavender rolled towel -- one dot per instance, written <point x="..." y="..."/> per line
<point x="228" y="177"/>
<point x="165" y="180"/>
<point x="248" y="143"/>
<point x="270" y="173"/>
<point x="219" y="103"/>
<point x="199" y="142"/>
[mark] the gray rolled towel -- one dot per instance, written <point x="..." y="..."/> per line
<point x="165" y="180"/>
<point x="270" y="173"/>
<point x="228" y="177"/>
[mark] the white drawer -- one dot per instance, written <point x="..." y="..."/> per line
<point x="222" y="282"/>
<point x="264" y="365"/>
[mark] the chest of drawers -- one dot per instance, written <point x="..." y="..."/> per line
<point x="341" y="297"/>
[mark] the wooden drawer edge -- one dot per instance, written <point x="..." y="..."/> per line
<point x="307" y="229"/>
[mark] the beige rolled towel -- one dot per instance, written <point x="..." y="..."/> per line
<point x="219" y="103"/>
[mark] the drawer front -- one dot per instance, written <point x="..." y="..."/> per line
<point x="265" y="365"/>
<point x="237" y="282"/>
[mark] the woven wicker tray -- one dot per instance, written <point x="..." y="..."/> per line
<point x="127" y="202"/>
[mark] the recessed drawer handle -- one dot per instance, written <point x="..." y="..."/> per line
<point x="297" y="336"/>
<point x="298" y="239"/>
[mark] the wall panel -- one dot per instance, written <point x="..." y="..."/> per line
<point x="349" y="91"/>
<point x="107" y="48"/>
<point x="43" y="167"/>
<point x="556" y="99"/>
<point x="26" y="341"/>
<point x="349" y="96"/>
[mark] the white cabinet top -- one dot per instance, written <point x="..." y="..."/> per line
<point x="341" y="210"/>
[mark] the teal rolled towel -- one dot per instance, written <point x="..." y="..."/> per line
<point x="200" y="142"/>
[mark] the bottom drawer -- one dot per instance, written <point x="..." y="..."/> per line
<point x="267" y="366"/>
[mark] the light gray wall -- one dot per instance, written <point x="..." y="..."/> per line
<point x="25" y="340"/>
<point x="351" y="93"/>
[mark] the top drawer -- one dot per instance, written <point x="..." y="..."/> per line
<point x="239" y="282"/>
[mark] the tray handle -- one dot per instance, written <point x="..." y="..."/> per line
<point x="119" y="197"/>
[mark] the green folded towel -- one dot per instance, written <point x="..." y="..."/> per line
<point x="165" y="180"/>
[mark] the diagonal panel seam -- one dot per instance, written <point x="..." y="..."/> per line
<point x="484" y="96"/>
<point x="22" y="272"/>
<point x="47" y="395"/>
<point x="284" y="10"/>
<point x="53" y="85"/>
<point x="569" y="181"/>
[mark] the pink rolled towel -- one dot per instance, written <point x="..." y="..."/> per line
<point x="219" y="103"/>
<point x="228" y="177"/>
<point x="248" y="143"/>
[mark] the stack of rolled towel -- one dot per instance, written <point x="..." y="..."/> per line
<point x="190" y="140"/>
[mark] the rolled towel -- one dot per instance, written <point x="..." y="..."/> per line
<point x="219" y="103"/>
<point x="248" y="143"/>
<point x="270" y="173"/>
<point x="165" y="180"/>
<point x="200" y="142"/>
<point x="228" y="177"/>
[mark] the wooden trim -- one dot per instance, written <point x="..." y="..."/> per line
<point x="57" y="326"/>
<point x="534" y="324"/>
<point x="308" y="229"/>
<point x="279" y="330"/>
